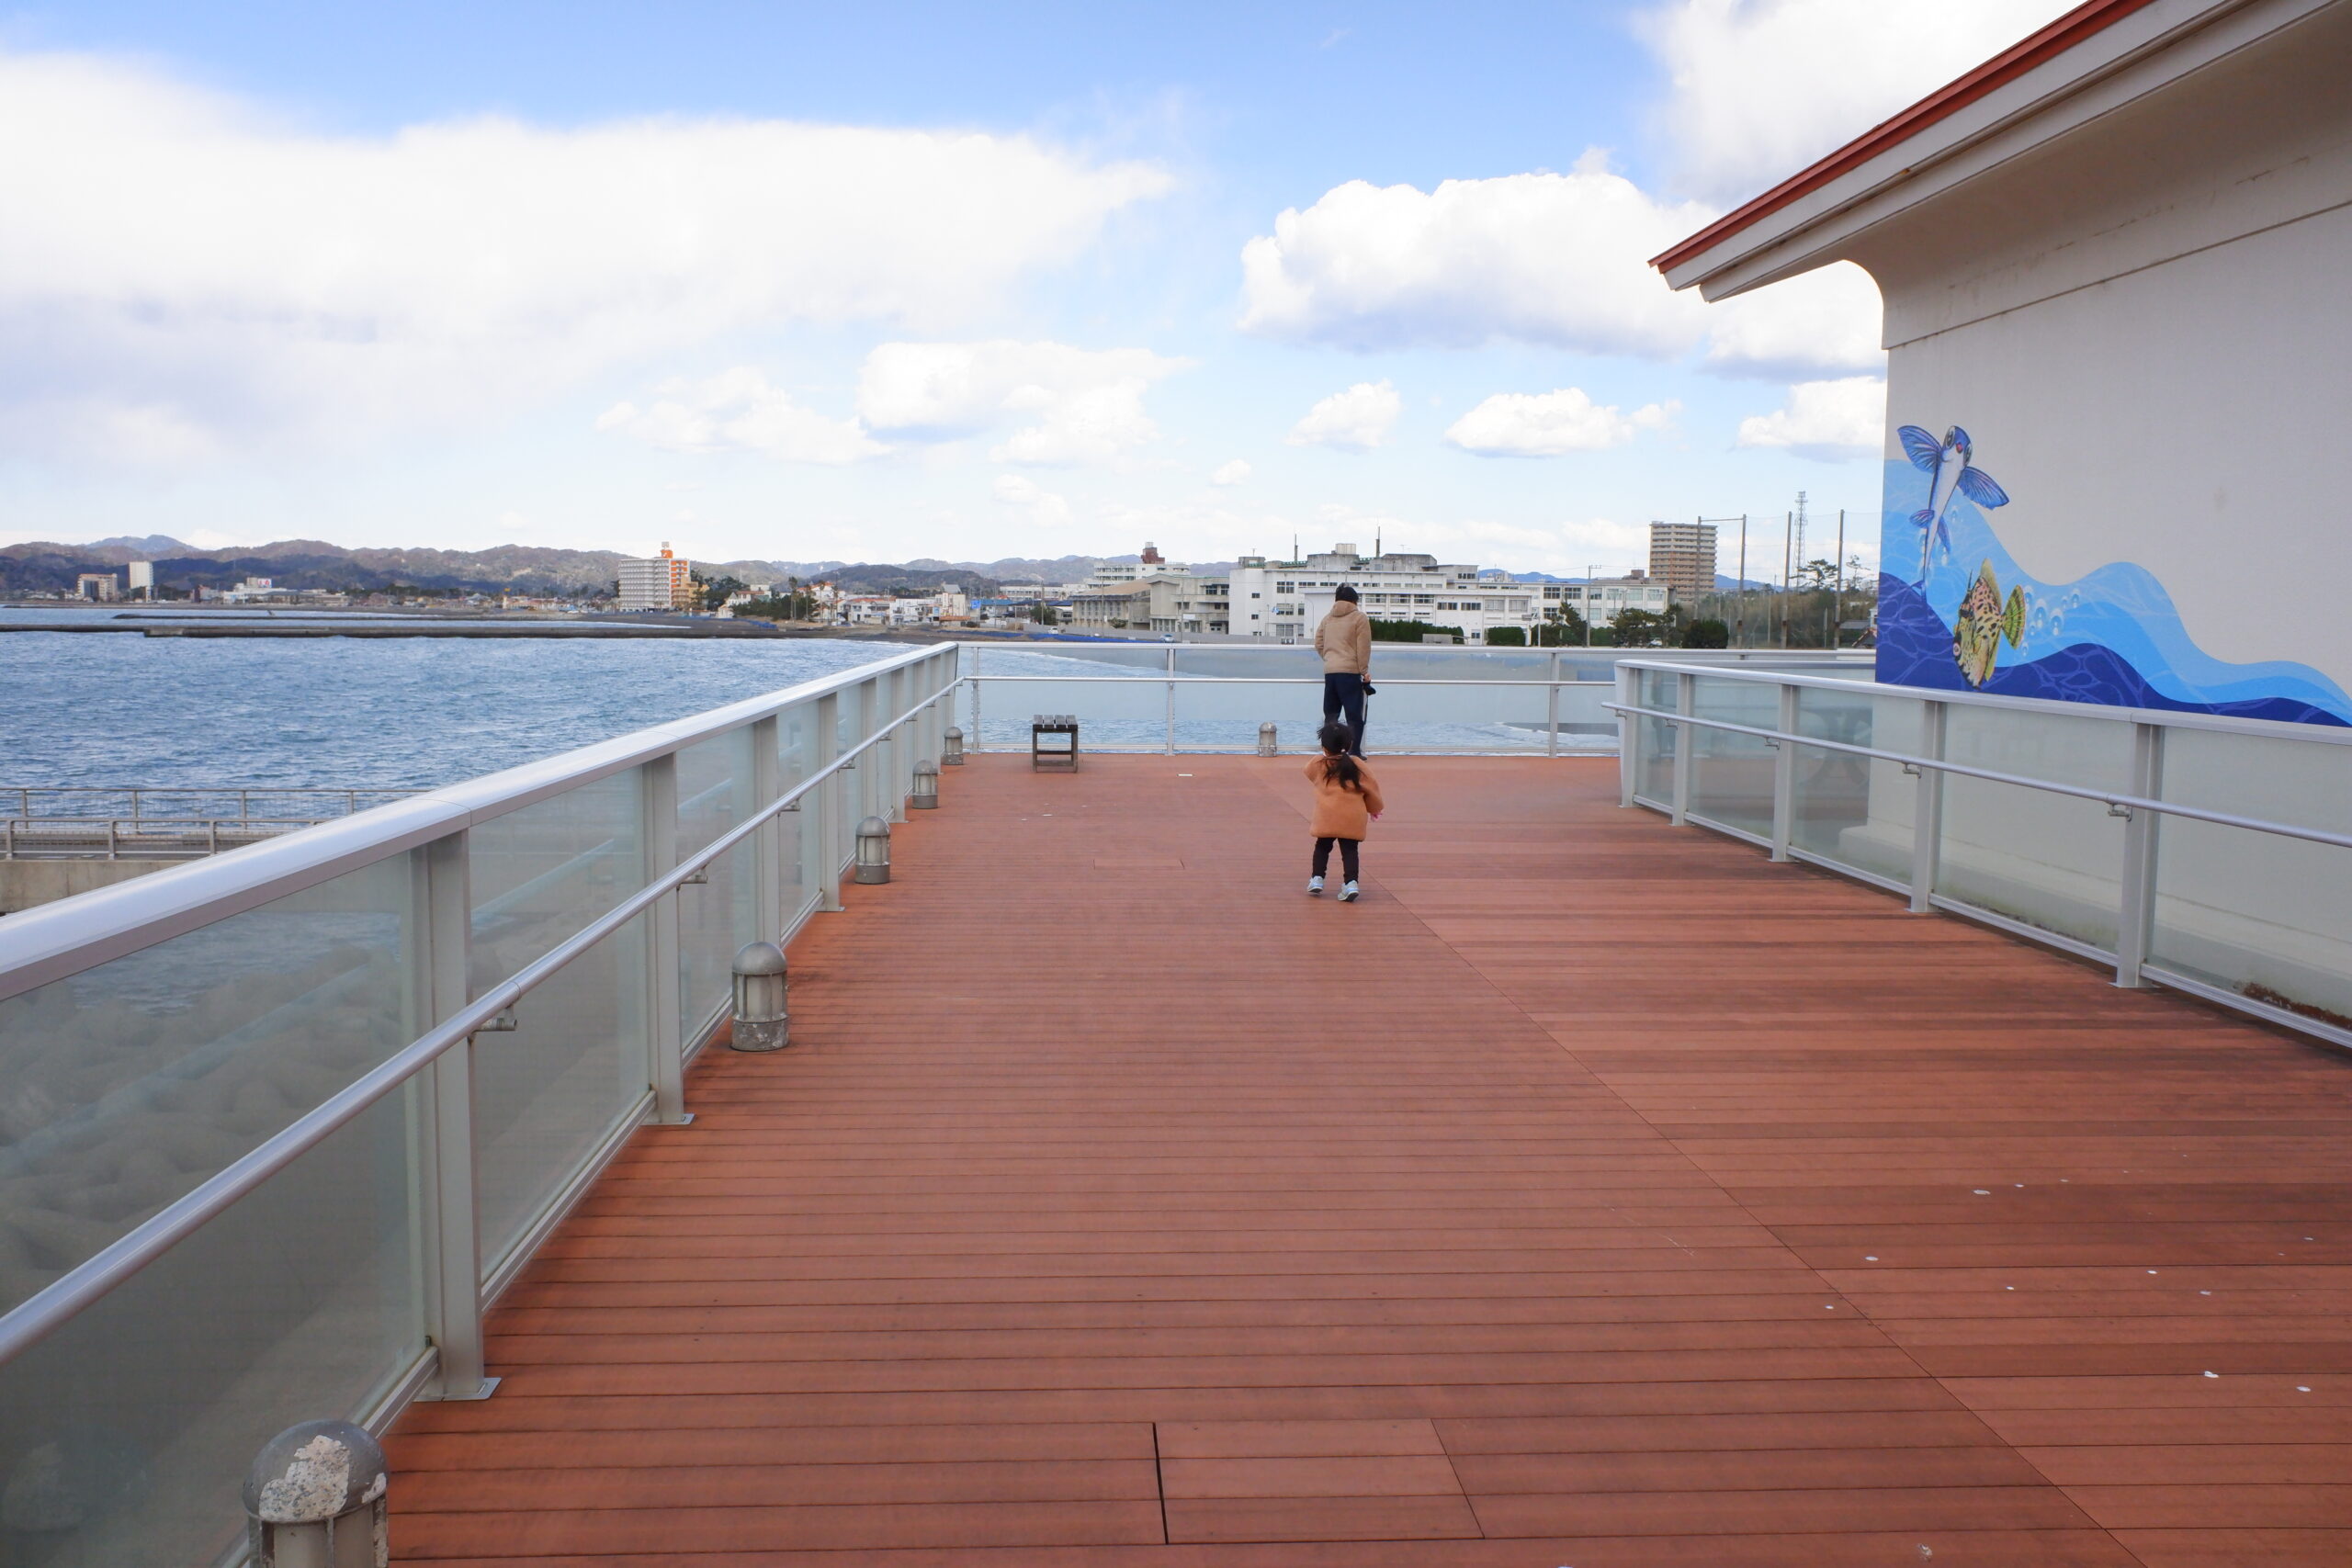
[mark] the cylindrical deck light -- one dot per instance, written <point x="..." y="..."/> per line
<point x="314" y="1498"/>
<point x="874" y="850"/>
<point x="760" y="1020"/>
<point x="951" y="752"/>
<point x="1266" y="733"/>
<point x="926" y="790"/>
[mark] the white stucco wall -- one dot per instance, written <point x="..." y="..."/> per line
<point x="2145" y="325"/>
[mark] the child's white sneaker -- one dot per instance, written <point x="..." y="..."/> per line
<point x="1348" y="894"/>
<point x="1315" y="887"/>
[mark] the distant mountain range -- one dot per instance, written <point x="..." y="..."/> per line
<point x="517" y="568"/>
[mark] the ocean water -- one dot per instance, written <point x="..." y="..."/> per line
<point x="79" y="710"/>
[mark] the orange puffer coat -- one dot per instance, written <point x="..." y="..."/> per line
<point x="1341" y="812"/>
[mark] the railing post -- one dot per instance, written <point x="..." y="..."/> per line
<point x="1928" y="811"/>
<point x="972" y="688"/>
<point x="873" y="792"/>
<point x="450" y="1201"/>
<point x="820" y="861"/>
<point x="1171" y="748"/>
<point x="1784" y="776"/>
<point x="1629" y="736"/>
<point x="1686" y="690"/>
<point x="767" y="844"/>
<point x="665" y="1061"/>
<point x="1552" y="707"/>
<point x="2135" y="924"/>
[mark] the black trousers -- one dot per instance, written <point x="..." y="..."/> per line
<point x="1348" y="848"/>
<point x="1344" y="694"/>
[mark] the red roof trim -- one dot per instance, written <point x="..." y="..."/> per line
<point x="2060" y="36"/>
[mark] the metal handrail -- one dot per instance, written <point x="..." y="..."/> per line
<point x="51" y="941"/>
<point x="2081" y="792"/>
<point x="56" y="1304"/>
<point x="2171" y="718"/>
<point x="2052" y="786"/>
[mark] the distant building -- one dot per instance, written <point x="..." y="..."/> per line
<point x="1682" y="556"/>
<point x="99" y="585"/>
<point x="1600" y="600"/>
<point x="1281" y="601"/>
<point x="142" y="580"/>
<point x="659" y="582"/>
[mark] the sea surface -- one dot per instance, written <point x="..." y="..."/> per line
<point x="83" y="709"/>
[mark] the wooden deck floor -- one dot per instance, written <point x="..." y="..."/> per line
<point x="1592" y="1193"/>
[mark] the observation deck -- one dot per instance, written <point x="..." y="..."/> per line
<point x="1594" y="1192"/>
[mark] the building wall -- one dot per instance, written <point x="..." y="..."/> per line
<point x="2142" y="329"/>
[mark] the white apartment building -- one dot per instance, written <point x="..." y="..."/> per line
<point x="1281" y="601"/>
<point x="99" y="585"/>
<point x="142" y="580"/>
<point x="658" y="582"/>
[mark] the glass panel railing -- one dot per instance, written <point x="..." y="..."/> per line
<point x="2269" y="918"/>
<point x="546" y="1093"/>
<point x="124" y="1435"/>
<point x="796" y="749"/>
<point x="2047" y="860"/>
<point x="715" y="917"/>
<point x="1855" y="812"/>
<point x="1732" y="774"/>
<point x="124" y="1086"/>
<point x="550" y="1091"/>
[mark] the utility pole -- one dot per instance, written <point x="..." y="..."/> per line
<point x="1788" y="539"/>
<point x="1740" y="640"/>
<point x="1588" y="573"/>
<point x="1838" y="607"/>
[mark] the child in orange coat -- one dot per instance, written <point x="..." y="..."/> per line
<point x="1347" y="798"/>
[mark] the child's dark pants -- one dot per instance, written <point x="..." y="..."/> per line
<point x="1348" y="848"/>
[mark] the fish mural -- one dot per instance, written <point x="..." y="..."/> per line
<point x="1984" y="623"/>
<point x="1951" y="469"/>
<point x="2111" y="637"/>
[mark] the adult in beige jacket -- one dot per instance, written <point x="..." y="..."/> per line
<point x="1344" y="640"/>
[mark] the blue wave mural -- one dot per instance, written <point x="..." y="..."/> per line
<point x="1973" y="620"/>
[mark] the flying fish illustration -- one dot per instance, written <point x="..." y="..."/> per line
<point x="1984" y="623"/>
<point x="1946" y="463"/>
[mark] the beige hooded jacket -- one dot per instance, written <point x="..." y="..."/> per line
<point x="1344" y="640"/>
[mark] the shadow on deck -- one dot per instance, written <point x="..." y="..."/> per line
<point x="1592" y="1193"/>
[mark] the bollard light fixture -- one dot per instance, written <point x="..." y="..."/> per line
<point x="951" y="750"/>
<point x="314" y="1498"/>
<point x="1267" y="745"/>
<point x="873" y="850"/>
<point x="926" y="790"/>
<point x="761" y="1020"/>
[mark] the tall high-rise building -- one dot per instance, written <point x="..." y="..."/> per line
<point x="1683" y="556"/>
<point x="658" y="582"/>
<point x="142" y="580"/>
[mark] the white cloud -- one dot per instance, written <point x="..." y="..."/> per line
<point x="1556" y="260"/>
<point x="1358" y="418"/>
<point x="1073" y="405"/>
<point x="1549" y="424"/>
<point x="1830" y="422"/>
<point x="1553" y="259"/>
<point x="738" y="412"/>
<point x="1229" y="473"/>
<point x="1761" y="88"/>
<point x="179" y="274"/>
<point x="1045" y="508"/>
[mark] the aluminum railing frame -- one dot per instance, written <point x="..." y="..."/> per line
<point x="40" y="956"/>
<point x="1173" y="679"/>
<point x="2140" y="807"/>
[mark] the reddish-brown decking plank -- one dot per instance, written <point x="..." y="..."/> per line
<point x="1590" y="1183"/>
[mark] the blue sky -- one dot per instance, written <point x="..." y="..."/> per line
<point x="878" y="282"/>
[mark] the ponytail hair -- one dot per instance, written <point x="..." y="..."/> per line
<point x="1336" y="763"/>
